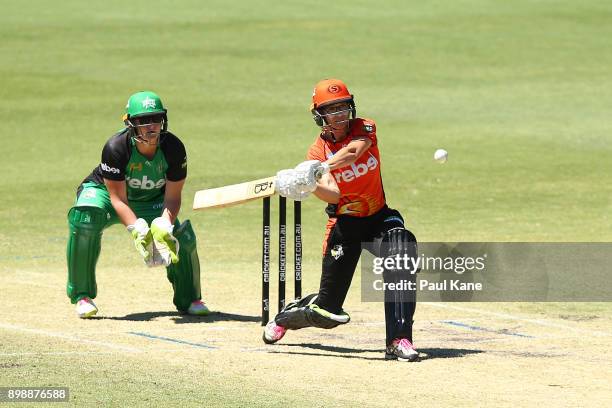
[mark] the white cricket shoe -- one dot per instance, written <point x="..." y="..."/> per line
<point x="198" y="308"/>
<point x="86" y="308"/>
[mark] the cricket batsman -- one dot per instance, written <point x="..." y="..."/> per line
<point x="346" y="152"/>
<point x="138" y="183"/>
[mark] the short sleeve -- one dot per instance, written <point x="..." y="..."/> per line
<point x="176" y="156"/>
<point x="316" y="151"/>
<point x="368" y="129"/>
<point x="114" y="159"/>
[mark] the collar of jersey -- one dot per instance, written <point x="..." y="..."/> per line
<point x="133" y="142"/>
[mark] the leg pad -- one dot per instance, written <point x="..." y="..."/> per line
<point x="84" y="244"/>
<point x="305" y="313"/>
<point x="185" y="275"/>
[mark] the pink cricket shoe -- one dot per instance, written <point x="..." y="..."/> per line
<point x="273" y="332"/>
<point x="401" y="350"/>
<point x="86" y="308"/>
<point x="198" y="308"/>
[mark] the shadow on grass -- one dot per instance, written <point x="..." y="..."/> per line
<point x="431" y="353"/>
<point x="180" y="318"/>
<point x="335" y="349"/>
<point x="298" y="353"/>
<point x="348" y="352"/>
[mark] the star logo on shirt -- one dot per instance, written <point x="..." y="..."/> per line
<point x="148" y="103"/>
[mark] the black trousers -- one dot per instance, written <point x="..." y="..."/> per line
<point x="341" y="253"/>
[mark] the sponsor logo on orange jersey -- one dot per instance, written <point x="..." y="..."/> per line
<point x="356" y="170"/>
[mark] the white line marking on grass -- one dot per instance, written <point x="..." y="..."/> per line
<point x="484" y="329"/>
<point x="75" y="339"/>
<point x="522" y="319"/>
<point x="171" y="340"/>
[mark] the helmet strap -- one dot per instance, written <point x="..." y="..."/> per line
<point x="328" y="136"/>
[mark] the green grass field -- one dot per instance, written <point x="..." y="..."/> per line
<point x="519" y="93"/>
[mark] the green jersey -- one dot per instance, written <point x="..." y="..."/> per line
<point x="145" y="178"/>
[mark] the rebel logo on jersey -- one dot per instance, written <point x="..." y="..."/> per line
<point x="109" y="169"/>
<point x="356" y="170"/>
<point x="145" y="183"/>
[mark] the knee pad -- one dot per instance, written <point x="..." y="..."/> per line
<point x="186" y="236"/>
<point x="297" y="303"/>
<point x="86" y="225"/>
<point x="320" y="317"/>
<point x="305" y="313"/>
<point x="399" y="241"/>
<point x="88" y="218"/>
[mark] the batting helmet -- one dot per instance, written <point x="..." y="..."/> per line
<point x="330" y="91"/>
<point x="145" y="103"/>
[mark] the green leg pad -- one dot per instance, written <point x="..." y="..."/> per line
<point x="84" y="243"/>
<point x="185" y="275"/>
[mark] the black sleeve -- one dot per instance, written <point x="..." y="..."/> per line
<point x="176" y="156"/>
<point x="115" y="157"/>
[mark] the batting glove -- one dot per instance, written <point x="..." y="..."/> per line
<point x="287" y="186"/>
<point x="307" y="173"/>
<point x="285" y="180"/>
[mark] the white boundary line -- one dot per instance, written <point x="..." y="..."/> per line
<point x="75" y="339"/>
<point x="518" y="318"/>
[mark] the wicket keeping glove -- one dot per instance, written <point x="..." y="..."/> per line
<point x="142" y="238"/>
<point x="307" y="173"/>
<point x="166" y="244"/>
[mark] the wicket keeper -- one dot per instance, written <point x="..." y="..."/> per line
<point x="138" y="183"/>
<point x="346" y="152"/>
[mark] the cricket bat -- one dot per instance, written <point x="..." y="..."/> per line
<point x="235" y="194"/>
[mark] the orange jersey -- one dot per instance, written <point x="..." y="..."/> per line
<point x="360" y="184"/>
